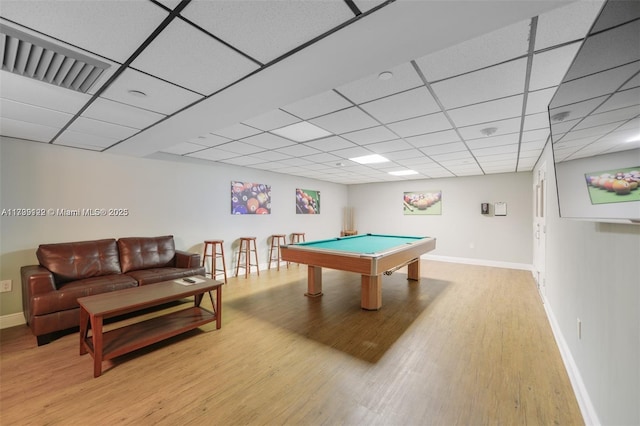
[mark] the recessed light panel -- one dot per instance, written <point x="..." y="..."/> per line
<point x="301" y="132"/>
<point x="403" y="173"/>
<point x="369" y="159"/>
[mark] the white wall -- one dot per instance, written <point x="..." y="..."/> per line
<point x="462" y="232"/>
<point x="188" y="200"/>
<point x="593" y="273"/>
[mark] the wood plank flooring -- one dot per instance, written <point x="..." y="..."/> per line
<point x="467" y="345"/>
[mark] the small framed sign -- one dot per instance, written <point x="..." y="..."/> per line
<point x="500" y="209"/>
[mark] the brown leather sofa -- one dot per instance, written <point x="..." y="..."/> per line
<point x="68" y="271"/>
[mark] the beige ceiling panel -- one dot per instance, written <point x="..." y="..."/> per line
<point x="436" y="138"/>
<point x="122" y="114"/>
<point x="401" y="106"/>
<point x="37" y="93"/>
<point x="205" y="66"/>
<point x="266" y="30"/>
<point x="238" y="147"/>
<point x="237" y="131"/>
<point x="490" y="49"/>
<point x="536" y="121"/>
<point x="244" y="160"/>
<point x="209" y="140"/>
<point x="272" y="120"/>
<point x="183" y="148"/>
<point x="549" y="67"/>
<point x="298" y="150"/>
<point x="480" y="86"/>
<point x="404" y="77"/>
<point x="101" y="128"/>
<point x="344" y="121"/>
<point x="317" y="105"/>
<point x="161" y="97"/>
<point x="535" y="135"/>
<point x="84" y="140"/>
<point x="487" y="112"/>
<point x="444" y="149"/>
<point x="493" y="141"/>
<point x="23" y="130"/>
<point x="213" y="154"/>
<point x="539" y="101"/>
<point x="406" y="156"/>
<point x="568" y="23"/>
<point x="389" y="146"/>
<point x="33" y="114"/>
<point x="111" y="29"/>
<point x="331" y="143"/>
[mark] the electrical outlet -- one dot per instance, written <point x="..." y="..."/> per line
<point x="5" y="285"/>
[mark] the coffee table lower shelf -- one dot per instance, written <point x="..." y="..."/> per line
<point x="132" y="337"/>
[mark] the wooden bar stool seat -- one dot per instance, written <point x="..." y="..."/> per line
<point x="247" y="246"/>
<point x="276" y="241"/>
<point x="214" y="249"/>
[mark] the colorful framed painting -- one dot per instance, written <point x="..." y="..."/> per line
<point x="422" y="203"/>
<point x="307" y="201"/>
<point x="250" y="198"/>
<point x="614" y="186"/>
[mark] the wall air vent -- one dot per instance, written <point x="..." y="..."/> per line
<point x="42" y="60"/>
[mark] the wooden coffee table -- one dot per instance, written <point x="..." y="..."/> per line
<point x="110" y="344"/>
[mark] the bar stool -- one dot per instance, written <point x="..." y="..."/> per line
<point x="246" y="249"/>
<point x="214" y="255"/>
<point x="276" y="241"/>
<point x="297" y="237"/>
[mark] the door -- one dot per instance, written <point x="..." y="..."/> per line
<point x="540" y="228"/>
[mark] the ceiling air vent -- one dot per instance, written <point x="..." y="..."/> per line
<point x="31" y="57"/>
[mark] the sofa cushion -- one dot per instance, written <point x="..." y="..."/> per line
<point x="80" y="260"/>
<point x="156" y="275"/>
<point x="145" y="253"/>
<point x="67" y="295"/>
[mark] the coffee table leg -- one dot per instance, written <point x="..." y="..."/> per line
<point x="96" y="326"/>
<point x="84" y="329"/>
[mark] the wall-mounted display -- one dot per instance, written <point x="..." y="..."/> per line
<point x="422" y="203"/>
<point x="250" y="198"/>
<point x="614" y="186"/>
<point x="307" y="201"/>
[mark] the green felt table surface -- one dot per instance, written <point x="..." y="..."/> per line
<point x="365" y="243"/>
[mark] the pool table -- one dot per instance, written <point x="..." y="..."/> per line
<point x="370" y="255"/>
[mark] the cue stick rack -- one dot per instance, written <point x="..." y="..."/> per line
<point x="348" y="223"/>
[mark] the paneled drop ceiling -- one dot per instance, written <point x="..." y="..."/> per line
<point x="464" y="88"/>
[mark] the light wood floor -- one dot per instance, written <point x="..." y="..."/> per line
<point x="467" y="345"/>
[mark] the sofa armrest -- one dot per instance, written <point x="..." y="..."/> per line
<point x="35" y="280"/>
<point x="186" y="259"/>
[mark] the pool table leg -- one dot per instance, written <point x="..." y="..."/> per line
<point x="371" y="292"/>
<point x="413" y="270"/>
<point x="314" y="281"/>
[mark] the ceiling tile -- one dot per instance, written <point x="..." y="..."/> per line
<point x="213" y="154"/>
<point x="33" y="114"/>
<point x="389" y="146"/>
<point x="101" y="128"/>
<point x="444" y="149"/>
<point x="122" y="114"/>
<point x="493" y="141"/>
<point x="621" y="100"/>
<point x="298" y="150"/>
<point x="614" y="116"/>
<point x="511" y="125"/>
<point x="490" y="83"/>
<point x="324" y="158"/>
<point x="238" y="147"/>
<point x="84" y="140"/>
<point x="420" y="125"/>
<point x="487" y="112"/>
<point x="162" y="97"/>
<point x="496" y="152"/>
<point x="97" y="26"/>
<point x="535" y="135"/>
<point x="567" y="23"/>
<point x="272" y="120"/>
<point x="267" y="30"/>
<point x="436" y="138"/>
<point x="402" y="106"/>
<point x="209" y="140"/>
<point x="205" y="66"/>
<point x="352" y="152"/>
<point x="183" y="148"/>
<point x="32" y="92"/>
<point x="331" y="143"/>
<point x="372" y="87"/>
<point x="268" y="141"/>
<point x="406" y="156"/>
<point x="371" y="135"/>
<point x="549" y="67"/>
<point x="317" y="105"/>
<point x="237" y="131"/>
<point x="458" y="156"/>
<point x="23" y="130"/>
<point x="538" y="101"/>
<point x="344" y="121"/>
<point x="272" y="156"/>
<point x="243" y="160"/>
<point x="489" y="49"/>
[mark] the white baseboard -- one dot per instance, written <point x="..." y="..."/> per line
<point x="482" y="262"/>
<point x="12" y="320"/>
<point x="589" y="414"/>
